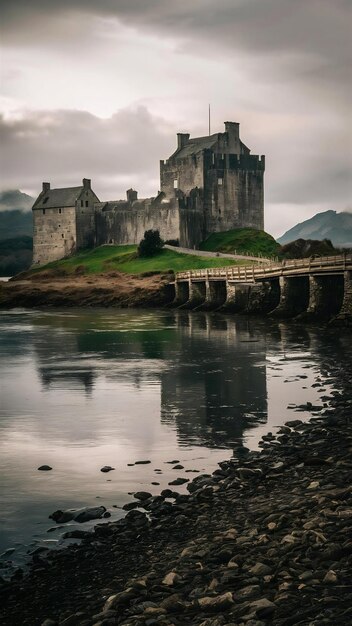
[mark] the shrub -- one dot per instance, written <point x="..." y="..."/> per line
<point x="151" y="244"/>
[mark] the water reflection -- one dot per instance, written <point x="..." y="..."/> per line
<point x="217" y="381"/>
<point x="211" y="370"/>
<point x="83" y="389"/>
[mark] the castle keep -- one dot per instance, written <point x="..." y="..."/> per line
<point x="209" y="184"/>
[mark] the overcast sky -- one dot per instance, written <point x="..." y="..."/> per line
<point x="99" y="89"/>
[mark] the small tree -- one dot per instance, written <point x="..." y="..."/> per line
<point x="151" y="244"/>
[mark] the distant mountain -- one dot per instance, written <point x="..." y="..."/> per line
<point x="326" y="225"/>
<point x="15" y="199"/>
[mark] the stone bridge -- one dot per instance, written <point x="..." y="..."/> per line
<point x="309" y="288"/>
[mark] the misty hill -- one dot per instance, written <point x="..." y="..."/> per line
<point x="15" y="214"/>
<point x="15" y="199"/>
<point x="326" y="225"/>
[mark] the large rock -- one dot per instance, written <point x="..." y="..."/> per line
<point x="78" y="515"/>
<point x="216" y="603"/>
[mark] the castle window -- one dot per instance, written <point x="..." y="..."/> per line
<point x="86" y="202"/>
<point x="43" y="211"/>
<point x="220" y="181"/>
<point x="175" y="183"/>
<point x="59" y="210"/>
<point x="62" y="235"/>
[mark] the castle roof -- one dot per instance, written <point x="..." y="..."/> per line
<point x="195" y="145"/>
<point x="198" y="144"/>
<point x="64" y="197"/>
<point x="54" y="198"/>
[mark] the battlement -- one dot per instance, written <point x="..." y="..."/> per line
<point x="245" y="162"/>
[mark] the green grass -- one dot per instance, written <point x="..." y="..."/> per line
<point x="124" y="259"/>
<point x="242" y="240"/>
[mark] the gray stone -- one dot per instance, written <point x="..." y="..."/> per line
<point x="78" y="515"/>
<point x="216" y="603"/>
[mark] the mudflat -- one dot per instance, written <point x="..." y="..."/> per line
<point x="48" y="289"/>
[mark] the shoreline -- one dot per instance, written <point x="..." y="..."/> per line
<point x="112" y="289"/>
<point x="240" y="549"/>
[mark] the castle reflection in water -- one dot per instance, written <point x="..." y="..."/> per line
<point x="211" y="369"/>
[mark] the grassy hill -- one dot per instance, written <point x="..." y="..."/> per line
<point x="124" y="259"/>
<point x="242" y="241"/>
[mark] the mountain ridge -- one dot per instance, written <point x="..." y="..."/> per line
<point x="14" y="199"/>
<point x="325" y="225"/>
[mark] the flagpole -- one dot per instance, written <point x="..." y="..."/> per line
<point x="209" y="119"/>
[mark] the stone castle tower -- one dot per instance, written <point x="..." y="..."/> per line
<point x="218" y="183"/>
<point x="209" y="184"/>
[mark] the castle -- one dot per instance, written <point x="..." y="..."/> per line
<point x="209" y="184"/>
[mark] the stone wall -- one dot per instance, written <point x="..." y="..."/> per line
<point x="216" y="191"/>
<point x="192" y="219"/>
<point x="54" y="234"/>
<point x="234" y="193"/>
<point x="127" y="224"/>
<point x="181" y="175"/>
<point x="85" y="220"/>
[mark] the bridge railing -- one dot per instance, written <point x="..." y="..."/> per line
<point x="251" y="272"/>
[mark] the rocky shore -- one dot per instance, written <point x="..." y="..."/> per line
<point x="266" y="539"/>
<point x="50" y="288"/>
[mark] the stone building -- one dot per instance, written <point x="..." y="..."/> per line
<point x="218" y="183"/>
<point x="63" y="222"/>
<point x="209" y="184"/>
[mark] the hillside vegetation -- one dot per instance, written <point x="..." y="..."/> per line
<point x="303" y="248"/>
<point x="242" y="241"/>
<point x="125" y="259"/>
<point x="15" y="223"/>
<point x="15" y="255"/>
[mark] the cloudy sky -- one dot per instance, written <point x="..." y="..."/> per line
<point x="99" y="89"/>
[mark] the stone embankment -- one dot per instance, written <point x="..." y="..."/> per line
<point x="265" y="540"/>
<point x="50" y="289"/>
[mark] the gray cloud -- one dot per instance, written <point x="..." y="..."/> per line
<point x="65" y="146"/>
<point x="124" y="150"/>
<point x="306" y="42"/>
<point x="320" y="27"/>
<point x="292" y="61"/>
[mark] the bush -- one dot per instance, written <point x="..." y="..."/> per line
<point x="151" y="244"/>
<point x="173" y="242"/>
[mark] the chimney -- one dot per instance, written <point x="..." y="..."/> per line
<point x="86" y="183"/>
<point x="182" y="139"/>
<point x="46" y="187"/>
<point x="132" y="195"/>
<point x="233" y="131"/>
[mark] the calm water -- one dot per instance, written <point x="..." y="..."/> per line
<point x="83" y="389"/>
